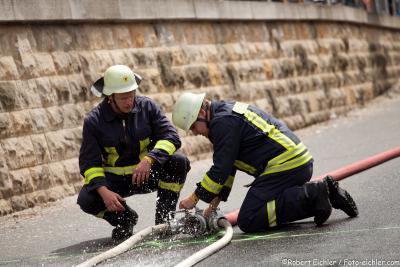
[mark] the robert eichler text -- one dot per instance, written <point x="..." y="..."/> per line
<point x="340" y="262"/>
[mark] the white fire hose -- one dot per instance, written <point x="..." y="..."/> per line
<point x="194" y="224"/>
<point x="211" y="249"/>
<point x="124" y="246"/>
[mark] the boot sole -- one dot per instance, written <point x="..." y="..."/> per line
<point x="341" y="199"/>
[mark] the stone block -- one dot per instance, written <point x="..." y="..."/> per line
<point x="282" y="106"/>
<point x="75" y="61"/>
<point x="47" y="95"/>
<point x="22" y="181"/>
<point x="40" y="121"/>
<point x="121" y="57"/>
<point x="103" y="60"/>
<point x="56" y="193"/>
<point x="28" y="94"/>
<point x="72" y="116"/>
<point x="60" y="85"/>
<point x="195" y="33"/>
<point x="197" y="75"/>
<point x="5" y="125"/>
<point x="5" y="207"/>
<point x="232" y="51"/>
<point x="62" y="144"/>
<point x="88" y="63"/>
<point x="215" y="74"/>
<point x="151" y="82"/>
<point x="57" y="174"/>
<point x="80" y="90"/>
<point x="8" y="96"/>
<point x="41" y="177"/>
<point x="142" y="58"/>
<point x="6" y="184"/>
<point x="44" y="63"/>
<point x="41" y="149"/>
<point x="55" y="116"/>
<point x="21" y="123"/>
<point x="8" y="69"/>
<point x="172" y="78"/>
<point x="294" y="122"/>
<point x="121" y="36"/>
<point x="38" y="197"/>
<point x="62" y="62"/>
<point x="143" y="35"/>
<point x="19" y="203"/>
<point x="28" y="67"/>
<point x="18" y="152"/>
<point x="72" y="173"/>
<point x="164" y="100"/>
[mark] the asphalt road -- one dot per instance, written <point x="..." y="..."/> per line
<point x="61" y="235"/>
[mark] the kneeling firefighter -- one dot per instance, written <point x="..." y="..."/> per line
<point x="128" y="148"/>
<point x="248" y="139"/>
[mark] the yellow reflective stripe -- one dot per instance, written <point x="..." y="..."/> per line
<point x="282" y="139"/>
<point x="289" y="164"/>
<point x="120" y="170"/>
<point x="273" y="133"/>
<point x="143" y="147"/>
<point x="166" y="145"/>
<point x="101" y="214"/>
<point x="244" y="167"/>
<point x="170" y="186"/>
<point x="93" y="173"/>
<point x="271" y="211"/>
<point x="229" y="181"/>
<point x="287" y="155"/>
<point x="258" y="121"/>
<point x="210" y="185"/>
<point x="112" y="156"/>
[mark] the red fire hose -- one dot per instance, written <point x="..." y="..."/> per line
<point x="342" y="173"/>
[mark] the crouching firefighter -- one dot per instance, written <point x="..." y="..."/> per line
<point x="248" y="139"/>
<point x="128" y="148"/>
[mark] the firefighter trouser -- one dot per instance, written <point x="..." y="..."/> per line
<point x="277" y="199"/>
<point x="167" y="180"/>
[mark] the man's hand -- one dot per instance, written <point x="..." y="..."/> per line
<point x="142" y="172"/>
<point x="111" y="199"/>
<point x="212" y="207"/>
<point x="189" y="202"/>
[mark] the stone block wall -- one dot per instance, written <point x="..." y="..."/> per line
<point x="302" y="72"/>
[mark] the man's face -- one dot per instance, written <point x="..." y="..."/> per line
<point x="199" y="127"/>
<point x="124" y="101"/>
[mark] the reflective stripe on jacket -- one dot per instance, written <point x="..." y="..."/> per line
<point x="114" y="144"/>
<point x="248" y="139"/>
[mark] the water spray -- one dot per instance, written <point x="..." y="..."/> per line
<point x="193" y="223"/>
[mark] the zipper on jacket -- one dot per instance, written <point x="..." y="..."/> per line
<point x="125" y="136"/>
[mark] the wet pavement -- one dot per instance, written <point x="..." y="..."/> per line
<point x="61" y="235"/>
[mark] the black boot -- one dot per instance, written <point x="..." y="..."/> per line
<point x="166" y="202"/>
<point x="123" y="221"/>
<point x="318" y="195"/>
<point x="340" y="198"/>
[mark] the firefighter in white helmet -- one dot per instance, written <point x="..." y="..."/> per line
<point x="128" y="148"/>
<point x="251" y="140"/>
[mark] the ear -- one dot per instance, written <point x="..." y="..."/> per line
<point x="202" y="112"/>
